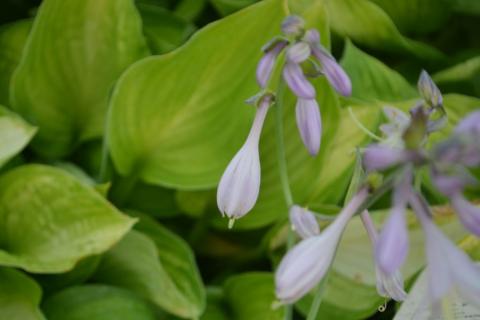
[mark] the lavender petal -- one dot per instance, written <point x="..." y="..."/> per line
<point x="309" y="124"/>
<point x="298" y="83"/>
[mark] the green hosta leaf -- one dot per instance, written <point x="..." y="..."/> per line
<point x="190" y="9"/>
<point x="463" y="77"/>
<point x="82" y="271"/>
<point x="158" y="265"/>
<point x="372" y="80"/>
<point x="168" y="114"/>
<point x="97" y="302"/>
<point x="366" y="23"/>
<point x="15" y="134"/>
<point x="19" y="296"/>
<point x="469" y="7"/>
<point x="50" y="220"/>
<point x="226" y="7"/>
<point x="353" y="275"/>
<point x="417" y="16"/>
<point x="12" y="40"/>
<point x="76" y="51"/>
<point x="164" y="30"/>
<point x="154" y="200"/>
<point x="250" y="297"/>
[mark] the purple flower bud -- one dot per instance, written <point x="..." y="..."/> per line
<point x="303" y="222"/>
<point x="387" y="285"/>
<point x="380" y="157"/>
<point x="312" y="36"/>
<point x="240" y="184"/>
<point x="293" y="75"/>
<point x="267" y="62"/>
<point x="467" y="212"/>
<point x="392" y="245"/>
<point x="306" y="264"/>
<point x="309" y="124"/>
<point x="299" y="52"/>
<point x="293" y="26"/>
<point x="333" y="71"/>
<point x="429" y="90"/>
<point x="470" y="124"/>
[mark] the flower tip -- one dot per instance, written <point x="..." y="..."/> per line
<point x="429" y="90"/>
<point x="293" y="26"/>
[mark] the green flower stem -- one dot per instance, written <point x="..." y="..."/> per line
<point x="281" y="157"/>
<point x="282" y="166"/>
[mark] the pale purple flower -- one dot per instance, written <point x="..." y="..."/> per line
<point x="302" y="268"/>
<point x="448" y="267"/>
<point x="309" y="124"/>
<point x="380" y="157"/>
<point x="468" y="213"/>
<point x="293" y="26"/>
<point x="470" y="124"/>
<point x="266" y="64"/>
<point x="387" y="285"/>
<point x="240" y="184"/>
<point x="303" y="222"/>
<point x="429" y="90"/>
<point x="392" y="245"/>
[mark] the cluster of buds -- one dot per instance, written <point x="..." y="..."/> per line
<point x="239" y="186"/>
<point x="398" y="156"/>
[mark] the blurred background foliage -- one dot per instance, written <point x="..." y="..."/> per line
<point x="106" y="125"/>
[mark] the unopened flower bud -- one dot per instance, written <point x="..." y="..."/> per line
<point x="429" y="90"/>
<point x="293" y="26"/>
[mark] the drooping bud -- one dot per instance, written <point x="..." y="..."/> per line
<point x="392" y="245"/>
<point x="307" y="263"/>
<point x="309" y="124"/>
<point x="267" y="62"/>
<point x="299" y="52"/>
<point x="293" y="26"/>
<point x="429" y="90"/>
<point x="389" y="286"/>
<point x="303" y="222"/>
<point x="297" y="82"/>
<point x="335" y="74"/>
<point x="240" y="184"/>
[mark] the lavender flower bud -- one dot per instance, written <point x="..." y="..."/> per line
<point x="309" y="124"/>
<point x="392" y="245"/>
<point x="303" y="222"/>
<point x="467" y="212"/>
<point x="387" y="285"/>
<point x="335" y="74"/>
<point x="299" y="52"/>
<point x="293" y="75"/>
<point x="380" y="157"/>
<point x="267" y="62"/>
<point x="449" y="185"/>
<point x="293" y="26"/>
<point x="429" y="90"/>
<point x="305" y="265"/>
<point x="240" y="184"/>
<point x="312" y="36"/>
